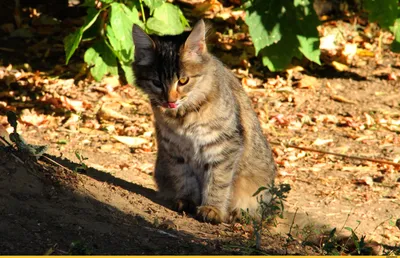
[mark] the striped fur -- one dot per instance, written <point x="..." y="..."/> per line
<point x="212" y="155"/>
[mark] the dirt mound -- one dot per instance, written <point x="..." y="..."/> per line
<point x="51" y="209"/>
<point x="45" y="209"/>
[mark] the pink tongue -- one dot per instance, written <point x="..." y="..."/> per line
<point x="171" y="105"/>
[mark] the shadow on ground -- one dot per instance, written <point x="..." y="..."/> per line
<point x="110" y="179"/>
<point x="42" y="213"/>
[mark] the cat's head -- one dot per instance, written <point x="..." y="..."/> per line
<point x="172" y="70"/>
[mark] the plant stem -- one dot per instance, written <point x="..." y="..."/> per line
<point x="141" y="7"/>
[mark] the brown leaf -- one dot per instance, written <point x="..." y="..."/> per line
<point x="108" y="112"/>
<point x="65" y="102"/>
<point x="392" y="76"/>
<point x="30" y="117"/>
<point x="339" y="66"/>
<point x="349" y="51"/>
<point x="280" y="120"/>
<point x="307" y="82"/>
<point x="366" y="180"/>
<point x="342" y="99"/>
<point x="251" y="82"/>
<point x="319" y="142"/>
<point x="131" y="141"/>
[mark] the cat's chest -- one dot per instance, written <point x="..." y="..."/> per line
<point x="187" y="142"/>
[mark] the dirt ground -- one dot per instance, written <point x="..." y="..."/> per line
<point x="112" y="208"/>
<point x="55" y="205"/>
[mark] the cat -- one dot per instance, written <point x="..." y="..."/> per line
<point x="212" y="155"/>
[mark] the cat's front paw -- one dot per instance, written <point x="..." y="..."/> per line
<point x="185" y="205"/>
<point x="209" y="214"/>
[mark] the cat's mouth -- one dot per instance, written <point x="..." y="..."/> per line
<point x="170" y="105"/>
<point x="173" y="105"/>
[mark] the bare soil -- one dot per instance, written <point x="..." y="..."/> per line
<point x="113" y="208"/>
<point x="51" y="206"/>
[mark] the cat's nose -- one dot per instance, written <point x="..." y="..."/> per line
<point x="173" y="96"/>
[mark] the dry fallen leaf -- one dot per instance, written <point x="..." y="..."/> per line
<point x="131" y="141"/>
<point x="365" y="52"/>
<point x="328" y="44"/>
<point x="251" y="82"/>
<point x="146" y="168"/>
<point x="4" y="133"/>
<point x="108" y="112"/>
<point x="339" y="66"/>
<point x="332" y="119"/>
<point x="370" y="119"/>
<point x="342" y="99"/>
<point x="30" y="117"/>
<point x="279" y="119"/>
<point x="65" y="102"/>
<point x="392" y="76"/>
<point x="349" y="51"/>
<point x="320" y="142"/>
<point x="207" y="9"/>
<point x="72" y="122"/>
<point x="111" y="82"/>
<point x="365" y="180"/>
<point x="307" y="82"/>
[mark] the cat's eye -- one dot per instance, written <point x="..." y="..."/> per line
<point x="183" y="81"/>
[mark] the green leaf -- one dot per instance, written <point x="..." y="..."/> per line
<point x="119" y="34"/>
<point x="307" y="34"/>
<point x="263" y="21"/>
<point x="90" y="55"/>
<point x="278" y="56"/>
<point x="384" y="12"/>
<point x="183" y="19"/>
<point x="349" y="229"/>
<point x="102" y="60"/>
<point x="107" y="1"/>
<point x="281" y="30"/>
<point x="167" y="20"/>
<point x="396" y="31"/>
<point x="121" y="22"/>
<point x="259" y="190"/>
<point x="153" y="4"/>
<point x="310" y="48"/>
<point x="127" y="67"/>
<point x="116" y="45"/>
<point x="71" y="43"/>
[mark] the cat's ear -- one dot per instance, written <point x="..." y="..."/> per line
<point x="144" y="46"/>
<point x="196" y="42"/>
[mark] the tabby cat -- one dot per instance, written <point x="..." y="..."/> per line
<point x="212" y="156"/>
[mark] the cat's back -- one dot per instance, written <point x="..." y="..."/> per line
<point x="257" y="152"/>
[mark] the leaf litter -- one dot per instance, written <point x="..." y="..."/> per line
<point x="348" y="110"/>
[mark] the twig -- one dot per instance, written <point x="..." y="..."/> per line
<point x="10" y="145"/>
<point x="7" y="49"/>
<point x="291" y="225"/>
<point x="47" y="158"/>
<point x="5" y="141"/>
<point x="382" y="161"/>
